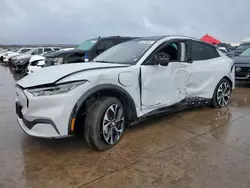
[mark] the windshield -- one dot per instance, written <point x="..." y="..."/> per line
<point x="246" y="52"/>
<point x="29" y="51"/>
<point x="87" y="45"/>
<point x="15" y="50"/>
<point x="126" y="53"/>
<point x="24" y="50"/>
<point x="243" y="47"/>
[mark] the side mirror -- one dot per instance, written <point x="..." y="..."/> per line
<point x="162" y="59"/>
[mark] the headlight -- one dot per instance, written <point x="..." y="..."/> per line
<point x="55" y="90"/>
<point x="58" y="60"/>
<point x="20" y="61"/>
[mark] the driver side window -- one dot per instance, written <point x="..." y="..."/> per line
<point x="176" y="52"/>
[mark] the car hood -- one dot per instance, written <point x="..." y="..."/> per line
<point x="241" y="59"/>
<point x="36" y="58"/>
<point x="51" y="75"/>
<point x="23" y="56"/>
<point x="62" y="52"/>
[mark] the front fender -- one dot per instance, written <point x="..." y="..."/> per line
<point x="97" y="89"/>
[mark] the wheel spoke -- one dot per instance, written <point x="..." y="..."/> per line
<point x="108" y="134"/>
<point x="118" y="130"/>
<point x="220" y="101"/>
<point x="106" y="117"/>
<point x="227" y="93"/>
<point x="224" y="101"/>
<point x="105" y="125"/>
<point x="113" y="108"/>
<point x="111" y="136"/>
<point x="119" y="115"/>
<point x="220" y="89"/>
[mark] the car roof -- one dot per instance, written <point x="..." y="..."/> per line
<point x="168" y="37"/>
<point x="113" y="37"/>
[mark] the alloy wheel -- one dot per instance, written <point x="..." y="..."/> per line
<point x="223" y="94"/>
<point x="113" y="124"/>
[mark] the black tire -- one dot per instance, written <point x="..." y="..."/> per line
<point x="214" y="102"/>
<point x="93" y="127"/>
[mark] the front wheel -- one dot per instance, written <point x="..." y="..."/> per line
<point x="105" y="123"/>
<point x="222" y="94"/>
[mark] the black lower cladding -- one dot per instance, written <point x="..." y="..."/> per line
<point x="31" y="124"/>
<point x="184" y="104"/>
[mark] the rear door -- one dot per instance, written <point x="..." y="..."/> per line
<point x="207" y="68"/>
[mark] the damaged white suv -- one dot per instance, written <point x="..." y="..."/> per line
<point x="126" y="83"/>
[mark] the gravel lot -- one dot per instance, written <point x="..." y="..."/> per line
<point x="195" y="148"/>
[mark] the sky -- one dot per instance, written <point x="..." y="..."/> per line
<point x="73" y="21"/>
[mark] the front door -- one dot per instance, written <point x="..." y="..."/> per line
<point x="163" y="86"/>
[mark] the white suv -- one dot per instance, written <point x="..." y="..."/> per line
<point x="128" y="82"/>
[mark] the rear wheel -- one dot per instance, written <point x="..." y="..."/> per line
<point x="222" y="94"/>
<point x="104" y="124"/>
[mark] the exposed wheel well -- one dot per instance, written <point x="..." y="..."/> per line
<point x="127" y="102"/>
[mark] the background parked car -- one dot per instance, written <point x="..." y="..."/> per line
<point x="12" y="54"/>
<point x="223" y="49"/>
<point x="86" y="51"/>
<point x="5" y="52"/>
<point x="241" y="48"/>
<point x="20" y="63"/>
<point x="242" y="67"/>
<point x="38" y="61"/>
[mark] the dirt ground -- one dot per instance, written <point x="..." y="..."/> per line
<point x="192" y="149"/>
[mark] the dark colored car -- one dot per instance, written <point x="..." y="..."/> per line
<point x="86" y="51"/>
<point x="21" y="62"/>
<point x="241" y="48"/>
<point x="242" y="67"/>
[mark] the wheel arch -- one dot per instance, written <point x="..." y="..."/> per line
<point x="89" y="97"/>
<point x="229" y="80"/>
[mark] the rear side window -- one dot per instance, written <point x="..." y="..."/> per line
<point x="47" y="49"/>
<point x="202" y="51"/>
